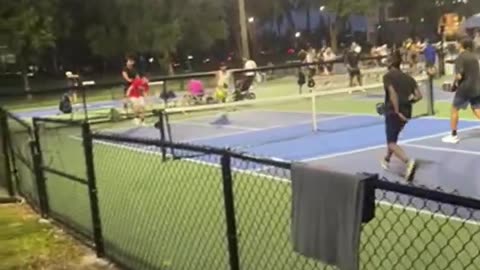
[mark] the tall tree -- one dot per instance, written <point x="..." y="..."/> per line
<point x="156" y="26"/>
<point x="28" y="28"/>
<point x="343" y="9"/>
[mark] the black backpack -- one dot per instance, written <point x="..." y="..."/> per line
<point x="65" y="105"/>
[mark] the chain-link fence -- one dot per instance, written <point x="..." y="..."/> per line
<point x="19" y="135"/>
<point x="64" y="173"/>
<point x="217" y="209"/>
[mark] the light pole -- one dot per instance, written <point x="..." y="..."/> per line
<point x="253" y="36"/>
<point x="243" y="29"/>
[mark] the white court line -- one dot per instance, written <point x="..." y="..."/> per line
<point x="265" y="129"/>
<point x="443" y="149"/>
<point x="346" y="153"/>
<point x="285" y="180"/>
<point x="213" y="125"/>
<point x="145" y="150"/>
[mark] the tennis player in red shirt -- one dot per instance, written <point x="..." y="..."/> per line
<point x="136" y="94"/>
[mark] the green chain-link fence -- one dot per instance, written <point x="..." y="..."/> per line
<point x="217" y="209"/>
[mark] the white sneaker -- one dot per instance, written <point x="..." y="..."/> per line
<point x="450" y="139"/>
<point x="385" y="164"/>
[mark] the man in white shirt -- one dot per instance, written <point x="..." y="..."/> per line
<point x="476" y="41"/>
<point x="249" y="75"/>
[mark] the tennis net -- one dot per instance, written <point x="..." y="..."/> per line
<point x="249" y="124"/>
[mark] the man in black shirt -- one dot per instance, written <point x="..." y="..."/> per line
<point x="401" y="91"/>
<point x="352" y="60"/>
<point x="467" y="79"/>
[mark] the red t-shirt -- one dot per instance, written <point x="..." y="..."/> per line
<point x="138" y="88"/>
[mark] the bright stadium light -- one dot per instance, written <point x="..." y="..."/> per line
<point x="251" y="20"/>
<point x="298" y="34"/>
<point x="322" y="8"/>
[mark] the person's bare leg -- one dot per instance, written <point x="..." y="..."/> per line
<point x="454" y="116"/>
<point x="398" y="152"/>
<point x="476" y="112"/>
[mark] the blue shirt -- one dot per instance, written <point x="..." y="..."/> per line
<point x="430" y="54"/>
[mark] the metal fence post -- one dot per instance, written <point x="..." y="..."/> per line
<point x="5" y="146"/>
<point x="431" y="98"/>
<point x="92" y="190"/>
<point x="230" y="212"/>
<point x="161" y="128"/>
<point x="39" y="179"/>
<point x="37" y="156"/>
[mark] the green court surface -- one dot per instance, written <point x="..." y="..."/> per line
<point x="170" y="215"/>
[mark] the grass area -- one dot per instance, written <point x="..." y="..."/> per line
<point x="28" y="244"/>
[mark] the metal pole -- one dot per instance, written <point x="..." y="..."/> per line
<point x="230" y="212"/>
<point x="6" y="154"/>
<point x="84" y="100"/>
<point x="39" y="179"/>
<point x="243" y="29"/>
<point x="164" y="93"/>
<point x="314" y="113"/>
<point x="161" y="128"/>
<point x="431" y="97"/>
<point x="92" y="190"/>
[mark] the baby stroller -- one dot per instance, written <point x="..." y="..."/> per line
<point x="243" y="89"/>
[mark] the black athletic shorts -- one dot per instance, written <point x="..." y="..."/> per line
<point x="461" y="103"/>
<point x="394" y="125"/>
<point x="354" y="72"/>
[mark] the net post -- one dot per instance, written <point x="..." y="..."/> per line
<point x="168" y="135"/>
<point x="84" y="100"/>
<point x="161" y="128"/>
<point x="5" y="146"/>
<point x="431" y="97"/>
<point x="229" y="202"/>
<point x="164" y="94"/>
<point x="314" y="113"/>
<point x="92" y="190"/>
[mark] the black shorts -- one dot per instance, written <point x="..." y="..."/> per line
<point x="461" y="103"/>
<point x="394" y="125"/>
<point x="354" y="72"/>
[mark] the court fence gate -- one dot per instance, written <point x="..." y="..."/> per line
<point x="134" y="204"/>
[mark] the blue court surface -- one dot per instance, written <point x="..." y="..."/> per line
<point x="347" y="143"/>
